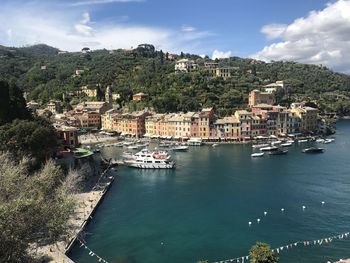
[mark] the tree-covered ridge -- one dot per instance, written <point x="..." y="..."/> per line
<point x="47" y="74"/>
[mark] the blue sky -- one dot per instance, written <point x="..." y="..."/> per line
<point x="309" y="31"/>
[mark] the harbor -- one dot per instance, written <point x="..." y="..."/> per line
<point x="200" y="210"/>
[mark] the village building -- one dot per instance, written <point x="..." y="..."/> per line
<point x="68" y="136"/>
<point x="259" y="97"/>
<point x="139" y="96"/>
<point x="185" y="65"/>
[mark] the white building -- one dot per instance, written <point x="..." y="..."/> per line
<point x="185" y="65"/>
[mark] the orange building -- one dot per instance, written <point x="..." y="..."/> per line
<point x="139" y="96"/>
<point x="258" y="97"/>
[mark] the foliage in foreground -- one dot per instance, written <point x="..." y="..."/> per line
<point x="261" y="253"/>
<point x="34" y="207"/>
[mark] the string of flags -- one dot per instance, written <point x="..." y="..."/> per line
<point x="292" y="245"/>
<point x="91" y="253"/>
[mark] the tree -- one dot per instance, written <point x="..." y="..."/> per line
<point x="36" y="138"/>
<point x="261" y="253"/>
<point x="12" y="103"/>
<point x="34" y="207"/>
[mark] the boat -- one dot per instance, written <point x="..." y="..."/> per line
<point x="215" y="144"/>
<point x="313" y="150"/>
<point x="119" y="144"/>
<point x="257" y="154"/>
<point x="194" y="142"/>
<point x="278" y="152"/>
<point x="286" y="144"/>
<point x="326" y="141"/>
<point x="276" y="142"/>
<point x="95" y="150"/>
<point x="146" y="159"/>
<point x="269" y="148"/>
<point x="290" y="141"/>
<point x="257" y="146"/>
<point x="302" y="141"/>
<point x="132" y="147"/>
<point x="180" y="148"/>
<point x="320" y="140"/>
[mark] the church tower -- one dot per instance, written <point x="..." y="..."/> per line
<point x="108" y="95"/>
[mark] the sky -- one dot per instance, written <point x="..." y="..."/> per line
<point x="306" y="31"/>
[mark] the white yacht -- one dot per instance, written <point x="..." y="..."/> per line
<point x="269" y="148"/>
<point x="146" y="159"/>
<point x="194" y="142"/>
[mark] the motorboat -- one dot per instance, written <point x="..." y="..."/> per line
<point x="286" y="144"/>
<point x="180" y="148"/>
<point x="133" y="147"/>
<point x="194" y="142"/>
<point x="276" y="142"/>
<point x="278" y="152"/>
<point x="326" y="141"/>
<point x="215" y="144"/>
<point x="291" y="141"/>
<point x="320" y="140"/>
<point x="303" y="141"/>
<point x="313" y="150"/>
<point x="146" y="159"/>
<point x="269" y="148"/>
<point x="257" y="146"/>
<point x="257" y="154"/>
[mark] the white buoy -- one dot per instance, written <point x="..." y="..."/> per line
<point x="282" y="210"/>
<point x="258" y="220"/>
<point x="323" y="202"/>
<point x="249" y="223"/>
<point x="265" y="213"/>
<point x="162" y="243"/>
<point x="304" y="207"/>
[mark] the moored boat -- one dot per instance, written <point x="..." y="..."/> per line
<point x="303" y="141"/>
<point x="180" y="148"/>
<point x="269" y="148"/>
<point x="146" y="159"/>
<point x="286" y="144"/>
<point x="313" y="150"/>
<point x="278" y="152"/>
<point x="194" y="142"/>
<point x="257" y="154"/>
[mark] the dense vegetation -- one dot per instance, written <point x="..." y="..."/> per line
<point x="46" y="75"/>
<point x="35" y="201"/>
<point x="34" y="207"/>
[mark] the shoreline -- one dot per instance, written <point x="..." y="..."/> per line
<point x="86" y="205"/>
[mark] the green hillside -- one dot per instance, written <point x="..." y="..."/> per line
<point x="45" y="73"/>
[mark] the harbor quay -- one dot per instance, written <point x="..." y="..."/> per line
<point x="86" y="204"/>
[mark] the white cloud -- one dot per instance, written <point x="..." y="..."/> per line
<point x="100" y="2"/>
<point x="322" y="37"/>
<point x="273" y="31"/>
<point x="72" y="29"/>
<point x="83" y="27"/>
<point x="221" y="54"/>
<point x="187" y="28"/>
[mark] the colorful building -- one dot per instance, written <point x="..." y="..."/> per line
<point x="258" y="97"/>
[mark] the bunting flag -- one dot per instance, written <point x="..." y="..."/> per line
<point x="91" y="253"/>
<point x="295" y="244"/>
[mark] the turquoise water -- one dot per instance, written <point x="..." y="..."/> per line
<point x="201" y="209"/>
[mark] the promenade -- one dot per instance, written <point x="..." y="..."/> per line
<point x="86" y="204"/>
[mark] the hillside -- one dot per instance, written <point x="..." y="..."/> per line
<point x="46" y="73"/>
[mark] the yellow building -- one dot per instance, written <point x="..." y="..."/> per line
<point x="308" y="117"/>
<point x="89" y="90"/>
